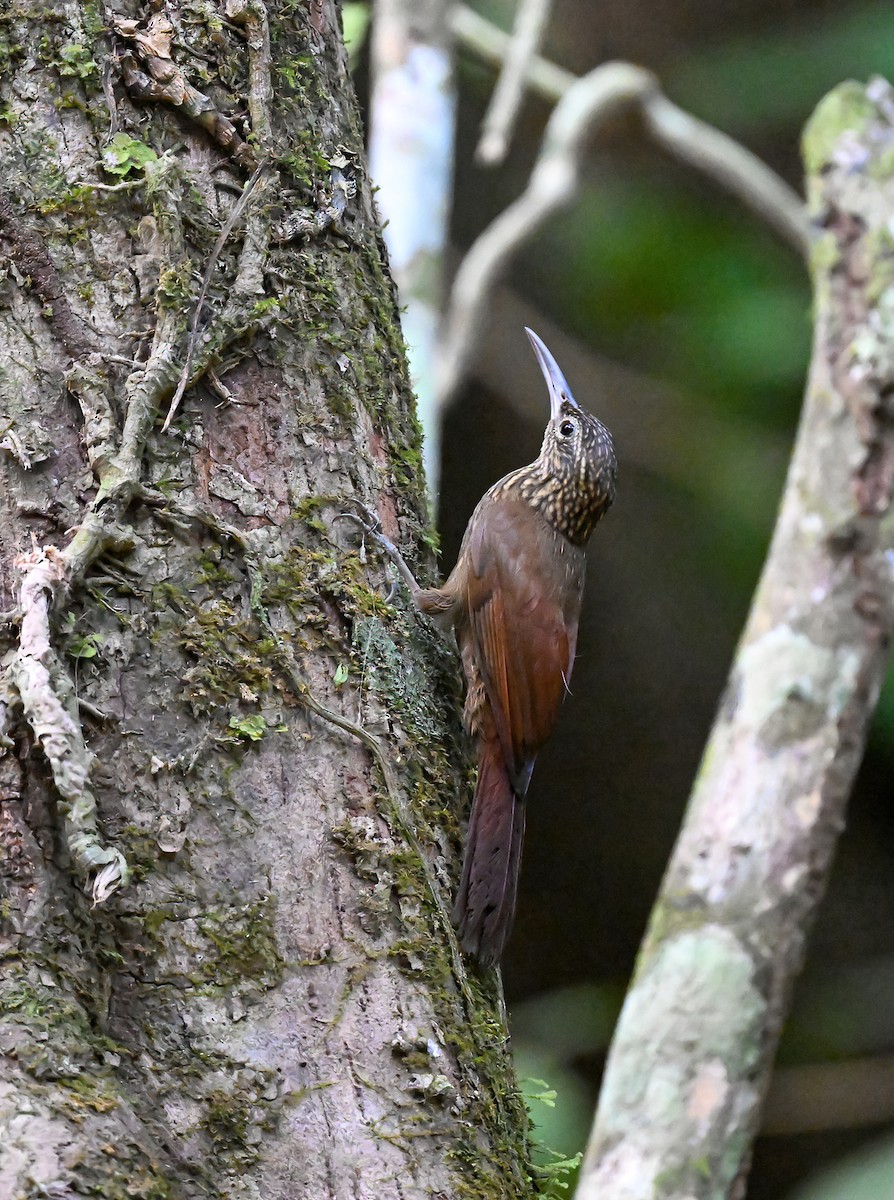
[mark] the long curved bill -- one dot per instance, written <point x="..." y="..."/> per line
<point x="559" y="391"/>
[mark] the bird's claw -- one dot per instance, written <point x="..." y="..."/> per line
<point x="372" y="526"/>
<point x="370" y="522"/>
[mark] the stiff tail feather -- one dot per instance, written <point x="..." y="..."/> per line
<point x="485" y="903"/>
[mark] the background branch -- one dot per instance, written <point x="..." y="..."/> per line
<point x="499" y="120"/>
<point x="412" y="118"/>
<point x="694" y="1046"/>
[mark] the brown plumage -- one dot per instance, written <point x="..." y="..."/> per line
<point x="514" y="600"/>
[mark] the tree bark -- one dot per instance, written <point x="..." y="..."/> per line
<point x="694" y="1048"/>
<point x="212" y="719"/>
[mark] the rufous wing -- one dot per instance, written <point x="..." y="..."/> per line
<point x="523" y="622"/>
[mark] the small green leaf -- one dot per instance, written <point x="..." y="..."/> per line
<point x="341" y="674"/>
<point x="123" y="154"/>
<point x="86" y="646"/>
<point x="76" y="60"/>
<point x="546" y="1096"/>
<point x="253" y="727"/>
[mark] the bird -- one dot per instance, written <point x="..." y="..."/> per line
<point x="513" y="600"/>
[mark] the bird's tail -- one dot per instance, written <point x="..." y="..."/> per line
<point x="485" y="903"/>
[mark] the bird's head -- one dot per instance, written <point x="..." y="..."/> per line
<point x="577" y="454"/>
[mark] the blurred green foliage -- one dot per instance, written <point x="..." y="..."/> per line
<point x="551" y="1034"/>
<point x="355" y="23"/>
<point x="666" y="278"/>
<point x="767" y="82"/>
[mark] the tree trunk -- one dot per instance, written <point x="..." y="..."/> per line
<point x="202" y="674"/>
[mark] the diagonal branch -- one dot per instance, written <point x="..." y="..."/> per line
<point x="499" y="120"/>
<point x="694" y="1046"/>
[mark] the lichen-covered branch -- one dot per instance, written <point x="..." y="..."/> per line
<point x="694" y="1046"/>
<point x="252" y="257"/>
<point x="252" y="15"/>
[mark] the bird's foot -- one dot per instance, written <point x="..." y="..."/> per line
<point x="372" y="527"/>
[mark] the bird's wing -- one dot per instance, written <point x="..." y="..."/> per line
<point x="523" y="625"/>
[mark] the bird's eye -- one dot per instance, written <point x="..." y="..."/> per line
<point x="567" y="428"/>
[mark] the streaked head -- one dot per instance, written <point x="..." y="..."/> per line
<point x="577" y="453"/>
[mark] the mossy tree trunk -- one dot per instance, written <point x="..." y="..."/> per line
<point x="201" y="672"/>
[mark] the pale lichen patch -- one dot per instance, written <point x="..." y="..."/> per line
<point x="791" y="685"/>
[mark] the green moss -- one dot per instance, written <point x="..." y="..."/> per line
<point x="227" y="1121"/>
<point x="236" y="1121"/>
<point x="76" y="60"/>
<point x="175" y="286"/>
<point x="97" y="1093"/>
<point x="233" y="665"/>
<point x="674" y="913"/>
<point x="63" y="1045"/>
<point x="140" y="849"/>
<point x="245" y="947"/>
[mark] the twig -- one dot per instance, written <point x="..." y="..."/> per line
<point x="92" y="394"/>
<point x="585" y="105"/>
<point x="253" y="16"/>
<point x="692" y="1053"/>
<point x="552" y="185"/>
<point x="196" y="327"/>
<point x="108" y="92"/>
<point x="370" y="524"/>
<point x="126" y="185"/>
<point x="499" y="120"/>
<point x="249" y="281"/>
<point x="491" y="44"/>
<point x="331" y="206"/>
<point x="728" y="163"/>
